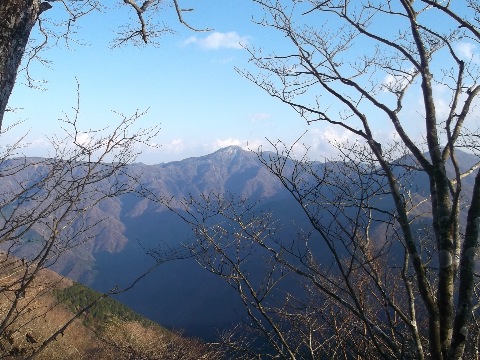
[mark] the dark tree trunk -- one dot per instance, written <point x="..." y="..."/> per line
<point x="467" y="274"/>
<point x="17" y="18"/>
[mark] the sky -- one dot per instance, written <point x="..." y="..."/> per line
<point x="187" y="85"/>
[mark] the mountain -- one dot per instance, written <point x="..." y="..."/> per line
<point x="180" y="294"/>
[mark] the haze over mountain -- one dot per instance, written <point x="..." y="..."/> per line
<point x="179" y="294"/>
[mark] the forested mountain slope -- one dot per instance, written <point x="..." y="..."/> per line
<point x="179" y="294"/>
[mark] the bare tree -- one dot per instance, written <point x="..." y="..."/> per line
<point x="46" y="214"/>
<point x="127" y="341"/>
<point x="45" y="205"/>
<point x="402" y="267"/>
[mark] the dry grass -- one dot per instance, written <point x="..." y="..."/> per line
<point x="38" y="315"/>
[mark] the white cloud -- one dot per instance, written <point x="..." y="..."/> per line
<point x="153" y="152"/>
<point x="331" y="134"/>
<point x="175" y="146"/>
<point x="389" y="80"/>
<point x="321" y="142"/>
<point x="442" y="108"/>
<point x="259" y="117"/>
<point x="247" y="145"/>
<point x="83" y="138"/>
<point x="397" y="81"/>
<point x="221" y="143"/>
<point x="244" y="144"/>
<point x="256" y="144"/>
<point x="223" y="60"/>
<point x="467" y="52"/>
<point x="31" y="146"/>
<point x="163" y="151"/>
<point x="218" y="40"/>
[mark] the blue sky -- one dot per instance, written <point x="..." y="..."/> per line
<point x="188" y="84"/>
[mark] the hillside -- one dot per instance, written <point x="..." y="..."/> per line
<point x="179" y="294"/>
<point x="108" y="330"/>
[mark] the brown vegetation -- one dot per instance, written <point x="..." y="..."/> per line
<point x="38" y="315"/>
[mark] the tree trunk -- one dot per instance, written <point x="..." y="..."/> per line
<point x="467" y="274"/>
<point x="17" y="18"/>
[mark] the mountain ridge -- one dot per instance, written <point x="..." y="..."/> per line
<point x="118" y="253"/>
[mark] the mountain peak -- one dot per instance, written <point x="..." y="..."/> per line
<point x="230" y="150"/>
<point x="233" y="153"/>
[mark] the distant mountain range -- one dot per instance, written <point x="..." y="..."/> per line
<point x="179" y="294"/>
